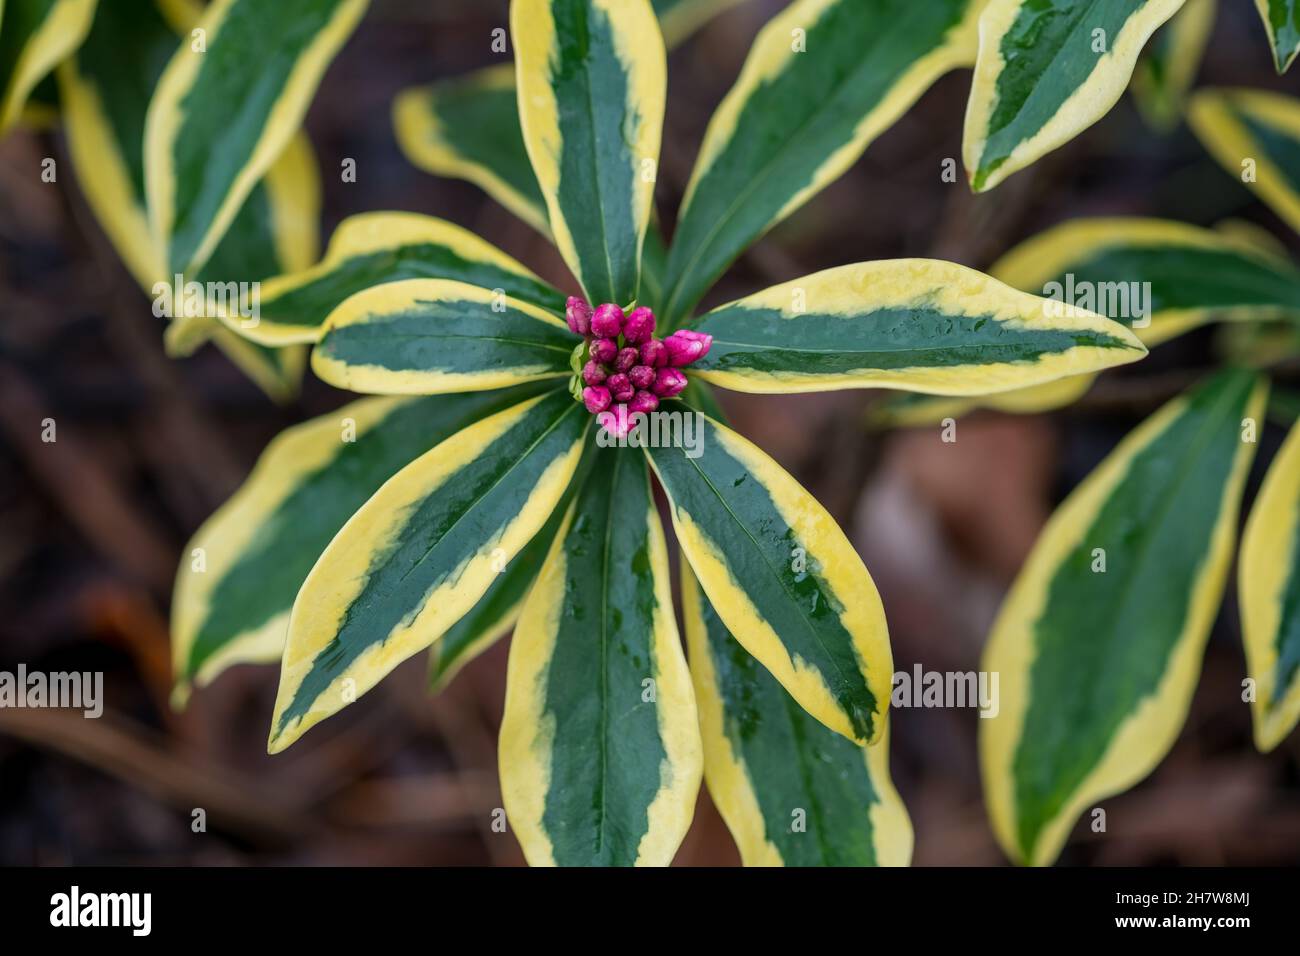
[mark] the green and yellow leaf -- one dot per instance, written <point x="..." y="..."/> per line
<point x="912" y="324"/>
<point x="1269" y="590"/>
<point x="792" y="792"/>
<point x="600" y="754"/>
<point x="1181" y="276"/>
<point x="375" y="248"/>
<point x="467" y="127"/>
<point x="259" y="62"/>
<point x="1046" y="71"/>
<point x="421" y="336"/>
<point x="1282" y="21"/>
<point x="275" y="231"/>
<point x="242" y="570"/>
<point x="1099" y="642"/>
<point x="498" y="609"/>
<point x="1254" y="135"/>
<point x="420" y="553"/>
<point x="781" y="574"/>
<point x="592" y="80"/>
<point x="1169" y="65"/>
<point x="41" y="111"/>
<point x="823" y="80"/>
<point x="36" y="35"/>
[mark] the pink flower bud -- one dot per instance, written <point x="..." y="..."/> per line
<point x="640" y="326"/>
<point x="593" y="373"/>
<point x="643" y="402"/>
<point x="642" y="376"/>
<point x="625" y="359"/>
<point x="596" y="398"/>
<point x="669" y="382"/>
<point x="620" y="386"/>
<point x="603" y="350"/>
<point x="685" y="346"/>
<point x="607" y="322"/>
<point x="615" y="421"/>
<point x="654" y="353"/>
<point x="578" y="315"/>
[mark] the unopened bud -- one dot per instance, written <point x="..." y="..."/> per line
<point x="607" y="321"/>
<point x="640" y="326"/>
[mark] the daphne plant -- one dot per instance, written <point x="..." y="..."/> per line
<point x="1100" y="640"/>
<point x="503" y="476"/>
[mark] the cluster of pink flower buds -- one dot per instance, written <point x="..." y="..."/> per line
<point x="627" y="369"/>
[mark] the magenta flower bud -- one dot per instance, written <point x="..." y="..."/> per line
<point x="643" y="402"/>
<point x="596" y="398"/>
<point x="607" y="321"/>
<point x="654" y="353"/>
<point x="621" y="387"/>
<point x="578" y="315"/>
<point x="640" y="326"/>
<point x="615" y="421"/>
<point x="669" y="382"/>
<point x="625" y="359"/>
<point x="603" y="350"/>
<point x="642" y="376"/>
<point x="593" y="373"/>
<point x="685" y="346"/>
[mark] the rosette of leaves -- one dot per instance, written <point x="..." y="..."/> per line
<point x="1100" y="640"/>
<point x="475" y="492"/>
<point x="144" y="90"/>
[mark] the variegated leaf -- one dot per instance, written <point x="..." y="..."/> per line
<point x="600" y="753"/>
<point x="1046" y="71"/>
<point x="1099" y="642"/>
<point x="420" y="553"/>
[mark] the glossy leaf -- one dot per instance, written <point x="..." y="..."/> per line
<point x="1282" y="21"/>
<point x="421" y="336"/>
<point x="592" y="81"/>
<point x="104" y="88"/>
<point x="498" y="609"/>
<point x="467" y="127"/>
<point x="914" y="324"/>
<point x="241" y="571"/>
<point x="792" y="792"/>
<point x="823" y="80"/>
<point x="1269" y="590"/>
<point x="1255" y="136"/>
<point x="227" y="105"/>
<point x="600" y="754"/>
<point x="1046" y="71"/>
<point x="375" y="248"/>
<point x="1193" y="275"/>
<point x="1181" y="276"/>
<point x="1099" y="642"/>
<point x="420" y="553"/>
<point x="36" y="35"/>
<point x="781" y="574"/>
